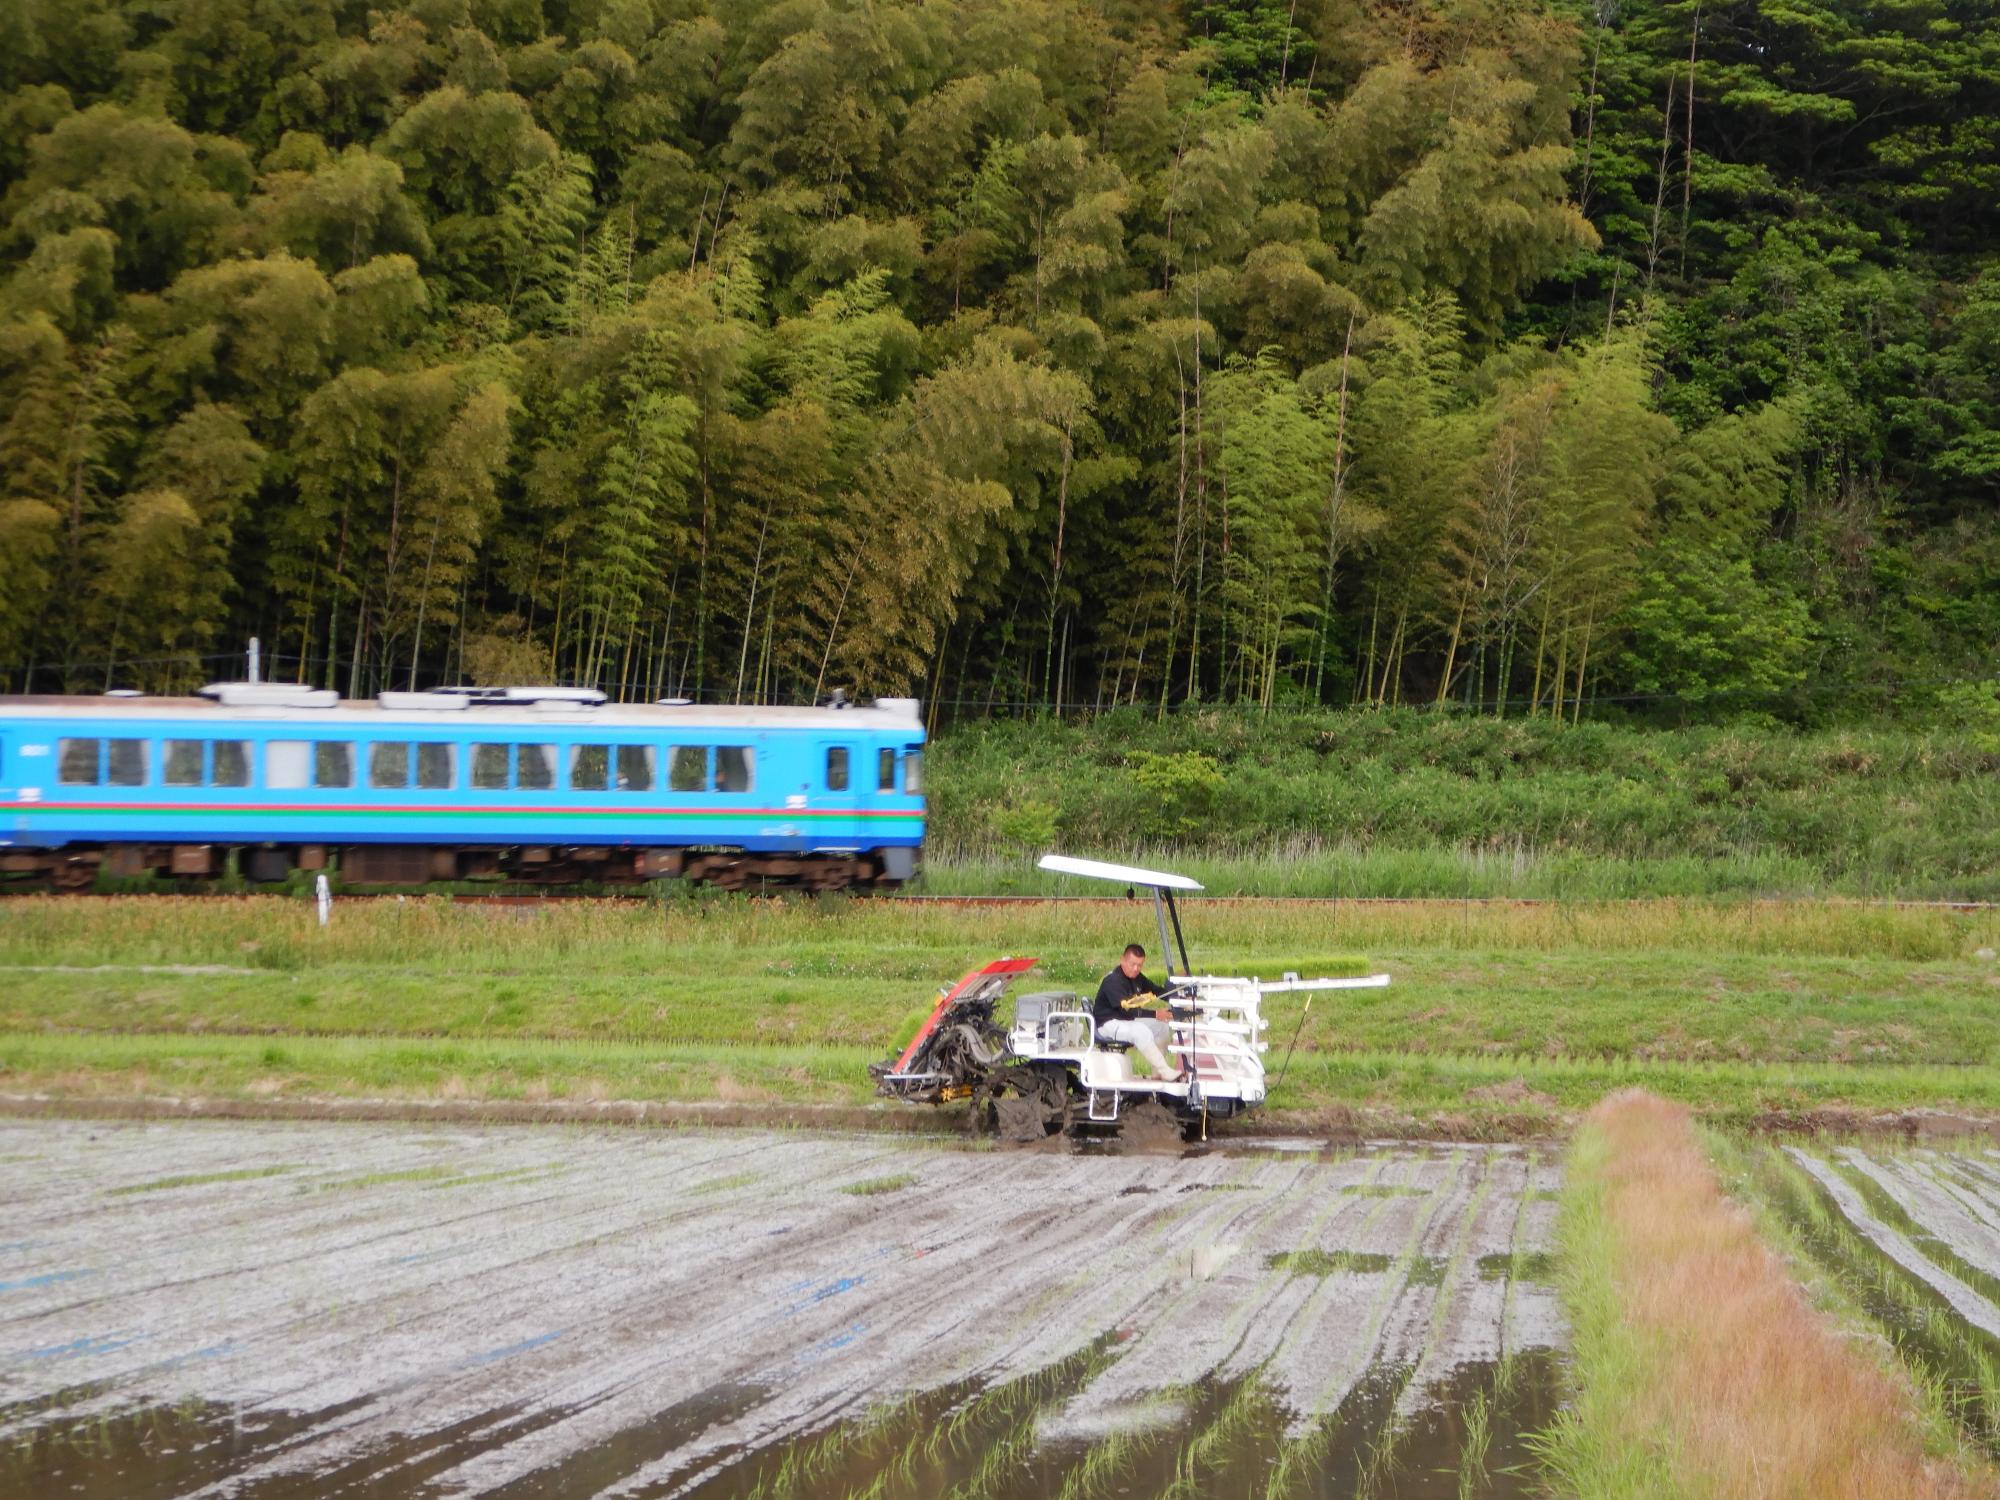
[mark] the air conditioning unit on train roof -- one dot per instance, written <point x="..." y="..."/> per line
<point x="269" y="695"/>
<point x="423" y="702"/>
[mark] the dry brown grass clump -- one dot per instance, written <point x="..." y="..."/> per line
<point x="1761" y="1395"/>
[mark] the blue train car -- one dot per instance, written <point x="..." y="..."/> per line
<point x="545" y="784"/>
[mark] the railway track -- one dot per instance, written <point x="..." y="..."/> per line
<point x="546" y="897"/>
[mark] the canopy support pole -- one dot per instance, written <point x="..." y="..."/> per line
<point x="1175" y="912"/>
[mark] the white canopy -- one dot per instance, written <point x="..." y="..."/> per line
<point x="1092" y="869"/>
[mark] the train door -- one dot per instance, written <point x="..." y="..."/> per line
<point x="837" y="764"/>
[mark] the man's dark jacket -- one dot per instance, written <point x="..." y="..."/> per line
<point x="1117" y="988"/>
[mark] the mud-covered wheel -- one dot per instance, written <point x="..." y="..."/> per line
<point x="1149" y="1124"/>
<point x="1019" y="1117"/>
<point x="1023" y="1103"/>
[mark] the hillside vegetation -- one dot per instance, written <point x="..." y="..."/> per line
<point x="1397" y="803"/>
<point x="1043" y="351"/>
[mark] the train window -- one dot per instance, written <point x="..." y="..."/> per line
<point x="232" y="763"/>
<point x="687" y="769"/>
<point x="435" y="767"/>
<point x="76" y="762"/>
<point x="183" y="763"/>
<point x="885" y="771"/>
<point x="389" y="764"/>
<point x="333" y="763"/>
<point x="635" y="768"/>
<point x="285" y="764"/>
<point x="489" y="768"/>
<point x="735" y="768"/>
<point x="913" y="771"/>
<point x="836" y="769"/>
<point x="128" y="762"/>
<point x="589" y="767"/>
<point x="537" y="768"/>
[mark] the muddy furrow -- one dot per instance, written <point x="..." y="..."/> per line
<point x="839" y="1309"/>
<point x="1977" y="1191"/>
<point x="1193" y="1328"/>
<point x="375" y="1258"/>
<point x="339" y="1313"/>
<point x="1084" y="1289"/>
<point x="1469" y="1318"/>
<point x="649" y="1299"/>
<point x="514" y="1310"/>
<point x="1150" y="1233"/>
<point x="1373" y="1314"/>
<point x="1962" y="1299"/>
<point x="1932" y="1208"/>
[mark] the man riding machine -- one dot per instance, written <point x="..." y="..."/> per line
<point x="1048" y="1066"/>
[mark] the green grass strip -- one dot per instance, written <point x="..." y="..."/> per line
<point x="198" y="1179"/>
<point x="874" y="1187"/>
<point x="1592" y="1449"/>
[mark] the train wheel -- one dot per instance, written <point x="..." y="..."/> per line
<point x="75" y="873"/>
<point x="830" y="875"/>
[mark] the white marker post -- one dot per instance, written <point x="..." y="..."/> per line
<point x="323" y="898"/>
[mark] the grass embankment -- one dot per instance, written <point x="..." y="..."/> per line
<point x="1499" y="1016"/>
<point x="1419" y="804"/>
<point x="1701" y="1370"/>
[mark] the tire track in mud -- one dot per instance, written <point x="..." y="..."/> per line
<point x="1199" y="1330"/>
<point x="1340" y="1350"/>
<point x="475" y="1310"/>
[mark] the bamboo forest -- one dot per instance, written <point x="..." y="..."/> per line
<point x="1530" y="356"/>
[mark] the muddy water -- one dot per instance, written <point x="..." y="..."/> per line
<point x="1469" y="1438"/>
<point x="373" y="1310"/>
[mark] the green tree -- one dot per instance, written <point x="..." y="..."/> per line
<point x="1704" y="629"/>
<point x="395" y="477"/>
<point x="166" y="194"/>
<point x="1275" y="465"/>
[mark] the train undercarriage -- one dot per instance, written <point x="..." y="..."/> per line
<point x="77" y="868"/>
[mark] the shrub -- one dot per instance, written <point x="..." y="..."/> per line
<point x="1030" y="824"/>
<point x="1182" y="788"/>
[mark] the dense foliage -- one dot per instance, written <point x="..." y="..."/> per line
<point x="1009" y="351"/>
<point x="1402" y="803"/>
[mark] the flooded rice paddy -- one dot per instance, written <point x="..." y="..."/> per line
<point x="1912" y="1237"/>
<point x="292" y="1309"/>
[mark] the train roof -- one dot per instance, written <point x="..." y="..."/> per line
<point x="570" y="708"/>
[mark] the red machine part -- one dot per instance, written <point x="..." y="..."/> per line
<point x="998" y="966"/>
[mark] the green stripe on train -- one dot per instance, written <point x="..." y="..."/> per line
<point x="44" y="815"/>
